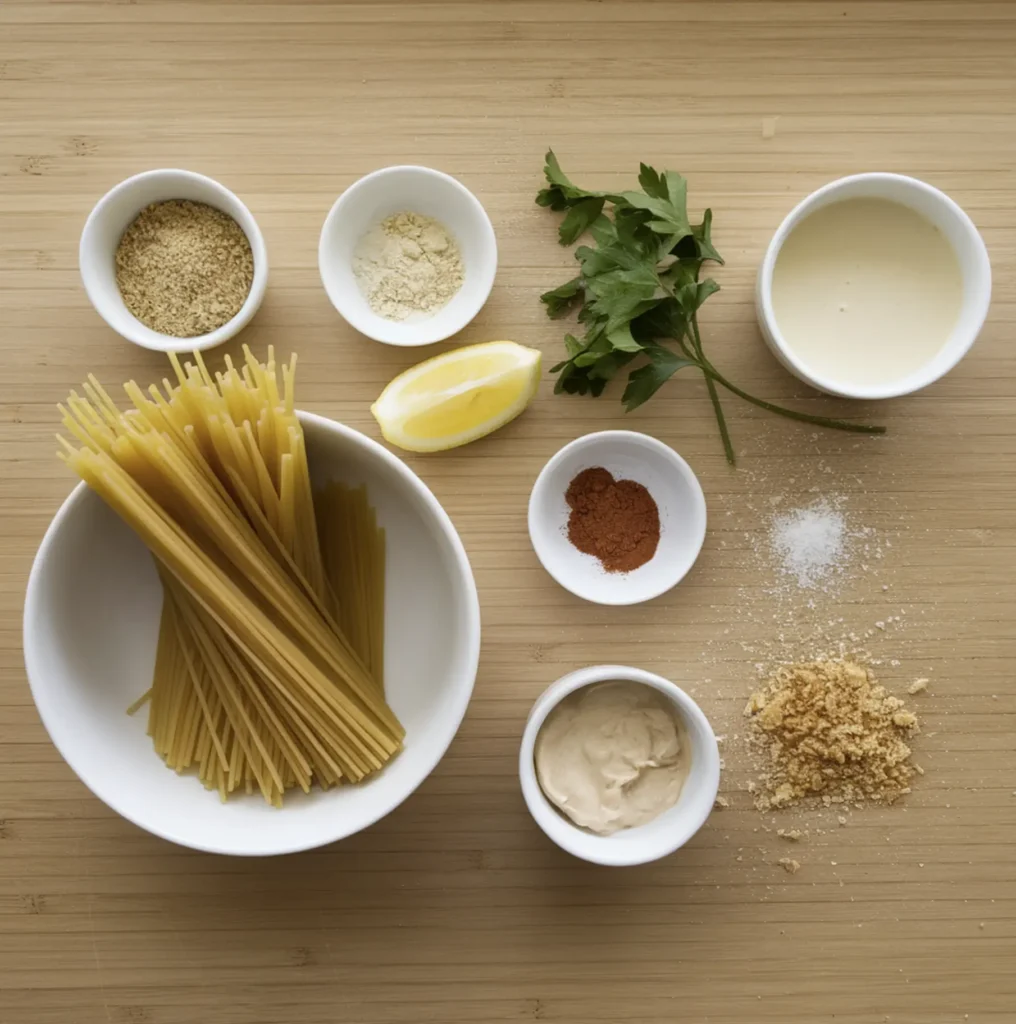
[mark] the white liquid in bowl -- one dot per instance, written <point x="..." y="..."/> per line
<point x="866" y="291"/>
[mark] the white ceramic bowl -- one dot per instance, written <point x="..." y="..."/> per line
<point x="91" y="620"/>
<point x="628" y="456"/>
<point x="657" y="838"/>
<point x="110" y="218"/>
<point x="394" y="190"/>
<point x="957" y="228"/>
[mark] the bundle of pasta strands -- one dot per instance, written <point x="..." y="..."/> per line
<point x="353" y="549"/>
<point x="268" y="669"/>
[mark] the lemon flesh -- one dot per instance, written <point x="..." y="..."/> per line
<point x="458" y="396"/>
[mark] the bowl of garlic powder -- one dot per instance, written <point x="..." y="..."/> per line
<point x="407" y="255"/>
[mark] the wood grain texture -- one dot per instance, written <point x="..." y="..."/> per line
<point x="455" y="908"/>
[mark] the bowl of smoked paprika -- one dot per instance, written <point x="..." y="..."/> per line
<point x="617" y="517"/>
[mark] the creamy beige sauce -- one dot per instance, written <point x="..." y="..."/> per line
<point x="612" y="755"/>
<point x="866" y="291"/>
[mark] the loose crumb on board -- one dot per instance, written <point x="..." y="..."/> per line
<point x="789" y="865"/>
<point x="826" y="730"/>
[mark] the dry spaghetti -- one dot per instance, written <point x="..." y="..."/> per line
<point x="268" y="670"/>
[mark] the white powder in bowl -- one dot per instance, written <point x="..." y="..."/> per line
<point x="810" y="543"/>
<point x="408" y="266"/>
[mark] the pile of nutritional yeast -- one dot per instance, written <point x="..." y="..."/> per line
<point x="827" y="729"/>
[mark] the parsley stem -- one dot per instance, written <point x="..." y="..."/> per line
<point x="792" y="414"/>
<point x="714" y="397"/>
<point x="721" y="420"/>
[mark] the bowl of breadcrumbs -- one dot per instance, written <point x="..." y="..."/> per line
<point x="173" y="261"/>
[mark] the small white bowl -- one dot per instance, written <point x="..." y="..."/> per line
<point x="432" y="194"/>
<point x="90" y="629"/>
<point x="657" y="838"/>
<point x="628" y="456"/>
<point x="110" y="218"/>
<point x="934" y="206"/>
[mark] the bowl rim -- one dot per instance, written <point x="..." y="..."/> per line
<point x="33" y="609"/>
<point x="237" y="209"/>
<point x="566" y="834"/>
<point x="920" y="378"/>
<point x="373" y="326"/>
<point x="617" y="596"/>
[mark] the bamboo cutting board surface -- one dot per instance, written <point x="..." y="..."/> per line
<point x="456" y="908"/>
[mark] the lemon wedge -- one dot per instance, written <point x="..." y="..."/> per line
<point x="458" y="396"/>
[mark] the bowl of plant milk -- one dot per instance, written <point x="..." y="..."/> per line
<point x="874" y="286"/>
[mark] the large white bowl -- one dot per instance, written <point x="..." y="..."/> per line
<point x="958" y="229"/>
<point x="91" y="620"/>
<point x="657" y="838"/>
<point x="394" y="190"/>
<point x="113" y="214"/>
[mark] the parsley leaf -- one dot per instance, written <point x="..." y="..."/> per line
<point x="561" y="300"/>
<point x="579" y="218"/>
<point x="644" y="382"/>
<point x="560" y="193"/>
<point x="667" y="218"/>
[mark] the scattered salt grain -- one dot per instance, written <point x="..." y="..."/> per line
<point x="809" y="543"/>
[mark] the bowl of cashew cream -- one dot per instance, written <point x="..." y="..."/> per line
<point x="618" y="766"/>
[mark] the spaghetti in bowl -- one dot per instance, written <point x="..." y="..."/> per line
<point x="91" y="626"/>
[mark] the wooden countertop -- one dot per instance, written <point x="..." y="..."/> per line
<point x="456" y="908"/>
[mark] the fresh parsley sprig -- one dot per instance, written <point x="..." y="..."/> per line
<point x="638" y="293"/>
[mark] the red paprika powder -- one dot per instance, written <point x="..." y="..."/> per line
<point x="617" y="521"/>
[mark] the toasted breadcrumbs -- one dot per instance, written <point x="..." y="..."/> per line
<point x="827" y="730"/>
<point x="184" y="268"/>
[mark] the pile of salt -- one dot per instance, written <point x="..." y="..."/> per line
<point x="810" y="543"/>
